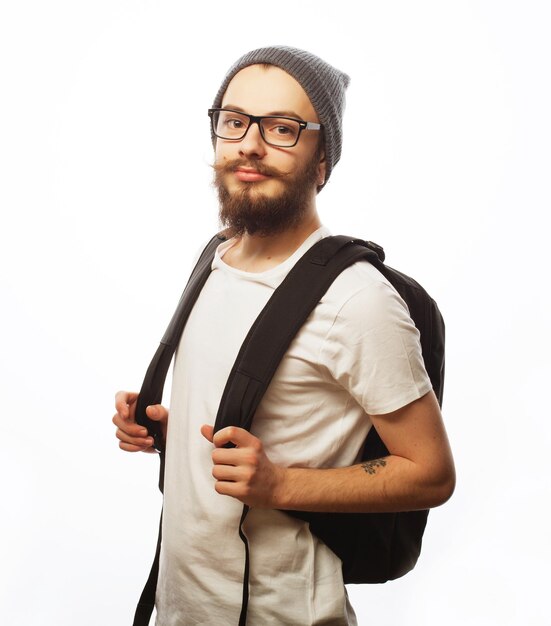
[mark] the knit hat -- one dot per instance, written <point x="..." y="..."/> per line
<point x="324" y="84"/>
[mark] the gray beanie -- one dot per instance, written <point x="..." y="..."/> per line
<point x="324" y="84"/>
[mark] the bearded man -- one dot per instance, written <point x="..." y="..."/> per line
<point x="276" y="124"/>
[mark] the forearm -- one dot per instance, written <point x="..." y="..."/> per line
<point x="389" y="484"/>
<point x="419" y="473"/>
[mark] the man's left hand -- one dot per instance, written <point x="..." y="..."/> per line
<point x="244" y="472"/>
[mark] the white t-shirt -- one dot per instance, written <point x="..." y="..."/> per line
<point x="357" y="354"/>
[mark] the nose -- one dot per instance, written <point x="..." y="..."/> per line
<point x="252" y="144"/>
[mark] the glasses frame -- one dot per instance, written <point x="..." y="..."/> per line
<point x="257" y="119"/>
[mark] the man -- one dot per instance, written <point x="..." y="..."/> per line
<point x="355" y="363"/>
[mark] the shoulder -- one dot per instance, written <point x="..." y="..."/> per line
<point x="361" y="294"/>
<point x="372" y="347"/>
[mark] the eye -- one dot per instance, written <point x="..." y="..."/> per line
<point x="233" y="123"/>
<point x="280" y="128"/>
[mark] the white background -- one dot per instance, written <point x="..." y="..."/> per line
<point x="106" y="197"/>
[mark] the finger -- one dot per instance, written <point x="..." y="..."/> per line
<point x="142" y="442"/>
<point x="131" y="428"/>
<point x="239" y="436"/>
<point x="123" y="401"/>
<point x="129" y="447"/>
<point x="234" y="456"/>
<point x="229" y="473"/>
<point x="157" y="412"/>
<point x="227" y="488"/>
<point x="207" y="432"/>
<point x="151" y="450"/>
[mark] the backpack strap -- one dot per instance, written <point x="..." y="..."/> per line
<point x="270" y="336"/>
<point x="151" y="392"/>
<point x="278" y="323"/>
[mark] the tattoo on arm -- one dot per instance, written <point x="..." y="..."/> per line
<point x="370" y="466"/>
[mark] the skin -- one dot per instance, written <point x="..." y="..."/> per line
<point x="274" y="91"/>
<point x="419" y="472"/>
<point x="133" y="437"/>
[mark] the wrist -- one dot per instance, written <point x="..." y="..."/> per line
<point x="280" y="489"/>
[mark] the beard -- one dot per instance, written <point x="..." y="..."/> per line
<point x="248" y="210"/>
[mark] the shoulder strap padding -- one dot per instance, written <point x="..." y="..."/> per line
<point x="151" y="391"/>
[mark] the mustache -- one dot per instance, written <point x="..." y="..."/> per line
<point x="227" y="167"/>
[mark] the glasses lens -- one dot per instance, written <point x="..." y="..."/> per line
<point x="229" y="125"/>
<point x="279" y="131"/>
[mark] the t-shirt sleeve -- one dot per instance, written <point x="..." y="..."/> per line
<point x="373" y="350"/>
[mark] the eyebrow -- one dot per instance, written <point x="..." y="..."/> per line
<point x="284" y="113"/>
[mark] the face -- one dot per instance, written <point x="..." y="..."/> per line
<point x="265" y="189"/>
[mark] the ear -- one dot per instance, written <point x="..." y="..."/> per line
<point x="322" y="168"/>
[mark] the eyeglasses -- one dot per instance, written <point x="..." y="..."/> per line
<point x="283" y="132"/>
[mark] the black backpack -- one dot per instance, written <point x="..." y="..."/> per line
<point x="373" y="547"/>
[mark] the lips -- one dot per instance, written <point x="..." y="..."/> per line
<point x="249" y="175"/>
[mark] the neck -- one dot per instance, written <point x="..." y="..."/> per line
<point x="253" y="253"/>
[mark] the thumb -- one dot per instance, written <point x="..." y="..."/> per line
<point x="207" y="432"/>
<point x="156" y="412"/>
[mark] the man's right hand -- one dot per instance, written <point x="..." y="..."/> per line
<point x="133" y="437"/>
